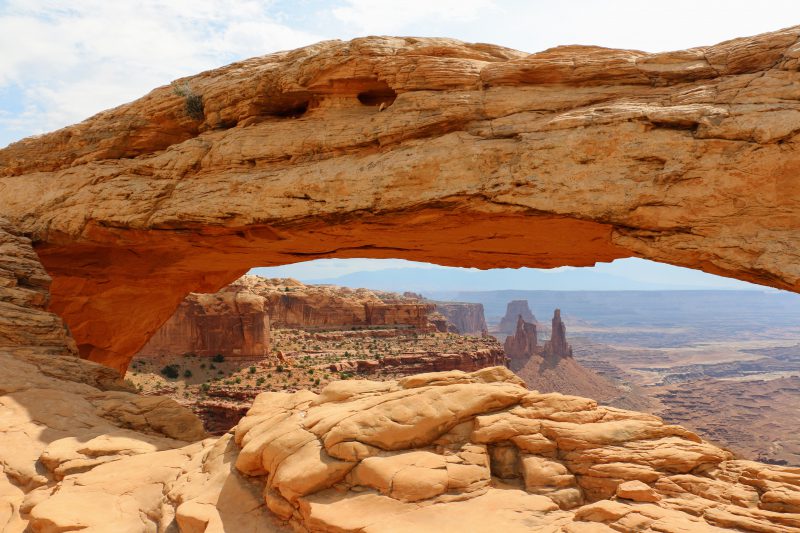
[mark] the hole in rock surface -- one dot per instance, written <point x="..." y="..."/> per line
<point x="380" y="96"/>
<point x="696" y="349"/>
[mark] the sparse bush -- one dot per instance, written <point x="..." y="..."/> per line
<point x="187" y="373"/>
<point x="252" y="370"/>
<point x="171" y="371"/>
<point x="204" y="387"/>
<point x="192" y="102"/>
<point x="219" y="358"/>
<point x="279" y="368"/>
<point x="238" y="380"/>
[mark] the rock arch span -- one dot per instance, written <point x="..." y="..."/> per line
<point x="424" y="149"/>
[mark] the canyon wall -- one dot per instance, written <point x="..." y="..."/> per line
<point x="467" y="318"/>
<point x="424" y="149"/>
<point x="418" y="363"/>
<point x="231" y="323"/>
<point x="293" y="305"/>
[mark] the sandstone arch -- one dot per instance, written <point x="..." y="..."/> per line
<point x="425" y="149"/>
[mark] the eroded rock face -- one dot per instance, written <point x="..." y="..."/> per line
<point x="551" y="367"/>
<point x="557" y="347"/>
<point x="442" y="451"/>
<point x="231" y="323"/>
<point x="25" y="324"/>
<point x="294" y="305"/>
<point x="515" y="310"/>
<point x="467" y="318"/>
<point x="523" y="344"/>
<point x="346" y="149"/>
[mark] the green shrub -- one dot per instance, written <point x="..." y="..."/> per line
<point x="279" y="368"/>
<point x="171" y="371"/>
<point x="192" y="102"/>
<point x="187" y="373"/>
<point x="219" y="358"/>
<point x="252" y="370"/>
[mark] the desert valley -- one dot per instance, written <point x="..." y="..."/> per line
<point x="150" y="383"/>
<point x="675" y="355"/>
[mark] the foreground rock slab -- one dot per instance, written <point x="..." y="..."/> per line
<point x="447" y="451"/>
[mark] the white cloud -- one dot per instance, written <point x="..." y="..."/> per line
<point x="67" y="61"/>
<point x="396" y="16"/>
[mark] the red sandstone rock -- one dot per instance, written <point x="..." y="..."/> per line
<point x="293" y="305"/>
<point x="551" y="368"/>
<point x="409" y="364"/>
<point x="523" y="344"/>
<point x="557" y="348"/>
<point x="467" y="318"/>
<point x="231" y="323"/>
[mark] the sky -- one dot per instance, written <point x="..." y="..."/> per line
<point x="401" y="275"/>
<point x="63" y="61"/>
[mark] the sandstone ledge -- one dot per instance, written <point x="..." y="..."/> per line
<point x="448" y="451"/>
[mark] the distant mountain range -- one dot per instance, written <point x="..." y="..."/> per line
<point x="571" y="279"/>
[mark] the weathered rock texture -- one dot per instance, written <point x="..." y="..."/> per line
<point x="435" y="452"/>
<point x="25" y="324"/>
<point x="523" y="344"/>
<point x="294" y="305"/>
<point x="425" y="149"/>
<point x="551" y="367"/>
<point x="416" y="363"/>
<point x="515" y="310"/>
<point x="467" y="318"/>
<point x="231" y="323"/>
<point x="557" y="347"/>
<point x="431" y="452"/>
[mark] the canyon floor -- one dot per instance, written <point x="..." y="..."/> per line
<point x="221" y="389"/>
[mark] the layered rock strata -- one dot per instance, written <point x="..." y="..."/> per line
<point x="230" y="323"/>
<point x="294" y="305"/>
<point x="467" y="318"/>
<point x="416" y="363"/>
<point x="443" y="451"/>
<point x="360" y="148"/>
<point x="25" y="324"/>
